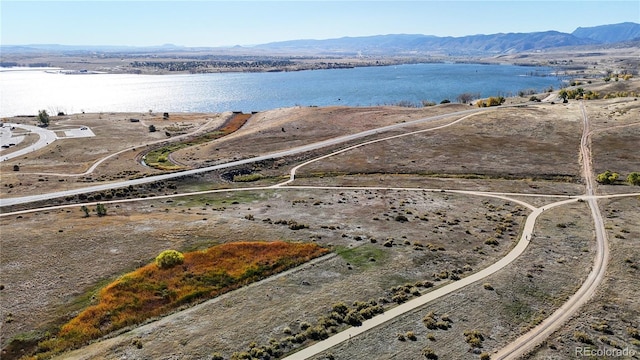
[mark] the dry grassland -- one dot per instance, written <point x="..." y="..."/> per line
<point x="52" y="262"/>
<point x="48" y="286"/>
<point x="611" y="320"/>
<point x="501" y="307"/>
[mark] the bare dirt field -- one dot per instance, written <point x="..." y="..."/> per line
<point x="53" y="261"/>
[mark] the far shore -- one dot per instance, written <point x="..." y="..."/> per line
<point x="570" y="62"/>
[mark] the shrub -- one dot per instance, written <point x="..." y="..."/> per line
<point x="602" y="327"/>
<point x="217" y="356"/>
<point x="607" y="177"/>
<point x="354" y="318"/>
<point x="428" y="353"/>
<point x="474" y="338"/>
<point x="491" y="241"/>
<point x="492" y="101"/>
<point x="169" y="258"/>
<point x="300" y="338"/>
<point x="340" y="308"/>
<point x="487" y="286"/>
<point x="372" y="311"/>
<point x="293" y="225"/>
<point x="401" y="218"/>
<point x="485" y="356"/>
<point x="430" y="323"/>
<point x="400" y="298"/>
<point x="316" y="333"/>
<point x="634" y="178"/>
<point x="247" y="178"/>
<point x="241" y="356"/>
<point x="101" y="210"/>
<point x="411" y="336"/>
<point x="582" y="337"/>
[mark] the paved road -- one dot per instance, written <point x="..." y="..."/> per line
<point x="292" y="173"/>
<point x="280" y="154"/>
<point x="100" y="161"/>
<point x="528" y="341"/>
<point x="522" y="344"/>
<point x="46" y="138"/>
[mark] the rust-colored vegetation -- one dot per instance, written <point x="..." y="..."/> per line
<point x="153" y="291"/>
<point x="159" y="158"/>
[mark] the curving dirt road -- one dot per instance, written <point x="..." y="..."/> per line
<point x="522" y="344"/>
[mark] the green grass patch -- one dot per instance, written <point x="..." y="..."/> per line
<point x="151" y="291"/>
<point x="362" y="256"/>
<point x="159" y="158"/>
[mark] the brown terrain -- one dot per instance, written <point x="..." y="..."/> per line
<point x="377" y="206"/>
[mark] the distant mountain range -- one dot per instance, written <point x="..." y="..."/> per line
<point x="466" y="45"/>
<point x="400" y="44"/>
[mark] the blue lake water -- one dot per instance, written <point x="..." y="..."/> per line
<point x="26" y="92"/>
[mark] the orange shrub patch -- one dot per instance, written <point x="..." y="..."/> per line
<point x="151" y="291"/>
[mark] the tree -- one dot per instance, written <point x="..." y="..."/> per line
<point x="564" y="94"/>
<point x="101" y="210"/>
<point x="43" y="118"/>
<point x="467" y="97"/>
<point x="607" y="177"/>
<point x="634" y="178"/>
<point x="85" y="210"/>
<point x="152" y="128"/>
<point x="16" y="167"/>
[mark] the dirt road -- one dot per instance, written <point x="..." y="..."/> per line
<point x="529" y="340"/>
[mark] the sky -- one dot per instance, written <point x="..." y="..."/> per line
<point x="211" y="23"/>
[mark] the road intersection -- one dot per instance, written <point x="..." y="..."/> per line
<point x="513" y="350"/>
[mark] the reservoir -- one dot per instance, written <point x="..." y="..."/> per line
<point x="26" y="92"/>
